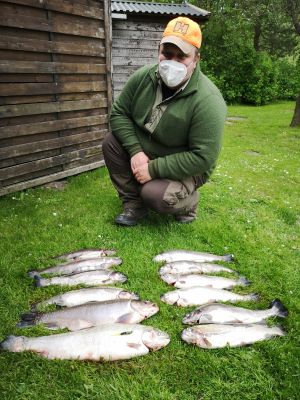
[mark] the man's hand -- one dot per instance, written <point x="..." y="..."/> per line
<point x="141" y="173"/>
<point x="138" y="159"/>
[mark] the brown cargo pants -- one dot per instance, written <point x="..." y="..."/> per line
<point x="164" y="196"/>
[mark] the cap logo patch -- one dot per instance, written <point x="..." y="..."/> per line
<point x="181" y="27"/>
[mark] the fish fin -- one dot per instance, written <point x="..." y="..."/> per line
<point x="126" y="319"/>
<point x="228" y="257"/>
<point x="243" y="281"/>
<point x="182" y="303"/>
<point x="32" y="274"/>
<point x="279" y="309"/>
<point x="205" y="340"/>
<point x="37" y="280"/>
<point x="28" y="319"/>
<point x="51" y="325"/>
<point x="134" y="345"/>
<point x="253" y="296"/>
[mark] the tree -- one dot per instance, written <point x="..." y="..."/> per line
<point x="293" y="10"/>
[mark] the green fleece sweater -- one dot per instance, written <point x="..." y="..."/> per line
<point x="187" y="140"/>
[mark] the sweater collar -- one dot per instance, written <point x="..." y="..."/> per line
<point x="190" y="87"/>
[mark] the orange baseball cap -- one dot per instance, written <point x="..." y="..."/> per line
<point x="184" y="33"/>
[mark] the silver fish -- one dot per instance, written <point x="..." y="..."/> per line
<point x="190" y="267"/>
<point x="102" y="343"/>
<point x="89" y="295"/>
<point x="75" y="267"/>
<point x="91" y="278"/>
<point x="93" y="314"/>
<point x="197" y="296"/>
<point x="225" y="314"/>
<point x="217" y="282"/>
<point x="86" y="254"/>
<point x="214" y="336"/>
<point x="187" y="255"/>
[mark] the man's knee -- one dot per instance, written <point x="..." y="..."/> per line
<point x="152" y="194"/>
<point x="169" y="197"/>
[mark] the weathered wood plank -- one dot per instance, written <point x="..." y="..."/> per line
<point x="138" y="26"/>
<point x="108" y="44"/>
<point x="44" y="108"/>
<point x="136" y="53"/>
<point x="50" y="178"/>
<point x="59" y="25"/>
<point x="129" y="43"/>
<point x="46" y="46"/>
<point x="133" y="61"/>
<point x="69" y="7"/>
<point x="31" y="67"/>
<point x="37" y="165"/>
<point x="32" y="175"/>
<point x="15" y="151"/>
<point x="8" y="162"/>
<point x="18" y="78"/>
<point x="123" y="34"/>
<point x="12" y="89"/>
<point x="50" y="126"/>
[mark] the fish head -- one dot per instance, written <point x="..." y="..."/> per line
<point x="169" y="278"/>
<point x="145" y="308"/>
<point x="197" y="317"/>
<point x="13" y="343"/>
<point x="170" y="297"/>
<point x="191" y="318"/>
<point x="118" y="277"/>
<point x="155" y="339"/>
<point x="164" y="270"/>
<point x="124" y="295"/>
<point x="194" y="336"/>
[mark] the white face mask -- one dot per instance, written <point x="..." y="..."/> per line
<point x="172" y="72"/>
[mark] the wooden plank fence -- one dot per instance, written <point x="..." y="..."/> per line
<point x="135" y="43"/>
<point x="55" y="89"/>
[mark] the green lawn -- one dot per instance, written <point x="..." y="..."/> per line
<point x="250" y="208"/>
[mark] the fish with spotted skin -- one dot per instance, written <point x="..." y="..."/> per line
<point x="102" y="343"/>
<point x="82" y="296"/>
<point x="76" y="267"/>
<point x="85" y="254"/>
<point x="217" y="282"/>
<point x="214" y="336"/>
<point x="91" y="278"/>
<point x="226" y="314"/>
<point x="188" y="255"/>
<point x="191" y="267"/>
<point x="197" y="296"/>
<point x="93" y="314"/>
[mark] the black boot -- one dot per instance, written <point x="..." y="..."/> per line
<point x="131" y="216"/>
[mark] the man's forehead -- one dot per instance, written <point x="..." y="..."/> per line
<point x="170" y="47"/>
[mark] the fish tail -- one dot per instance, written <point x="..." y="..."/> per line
<point x="243" y="281"/>
<point x="227" y="257"/>
<point x="279" y="309"/>
<point x="39" y="281"/>
<point x="28" y="319"/>
<point x="252" y="297"/>
<point x="13" y="343"/>
<point x="32" y="274"/>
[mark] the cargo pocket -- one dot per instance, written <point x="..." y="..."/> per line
<point x="179" y="190"/>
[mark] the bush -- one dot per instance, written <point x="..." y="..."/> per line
<point x="242" y="74"/>
<point x="288" y="78"/>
